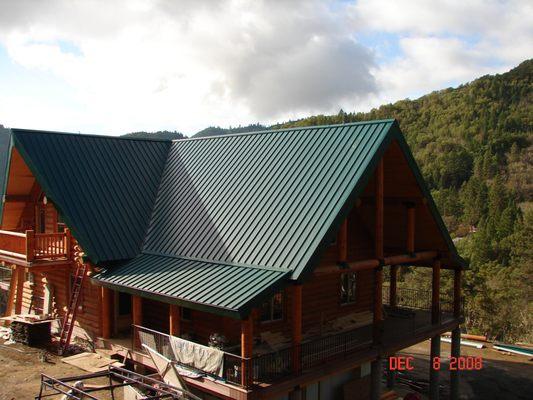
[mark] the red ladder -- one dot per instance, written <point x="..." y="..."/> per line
<point x="70" y="316"/>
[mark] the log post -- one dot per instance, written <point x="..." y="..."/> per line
<point x="375" y="378"/>
<point x="454" y="373"/>
<point x="434" y="372"/>
<point x="378" y="305"/>
<point x="342" y="242"/>
<point x="68" y="243"/>
<point x="174" y="317"/>
<point x="411" y="215"/>
<point x="30" y="245"/>
<point x="107" y="296"/>
<point x="393" y="301"/>
<point x="435" y="292"/>
<point x="12" y="292"/>
<point x="137" y="316"/>
<point x="457" y="311"/>
<point x="296" y="327"/>
<point x="246" y="350"/>
<point x="379" y="192"/>
<point x="456" y="335"/>
<point x="20" y="288"/>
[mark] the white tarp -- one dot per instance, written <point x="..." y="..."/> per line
<point x="198" y="356"/>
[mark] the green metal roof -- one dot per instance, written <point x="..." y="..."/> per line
<point x="225" y="220"/>
<point x="268" y="198"/>
<point x="227" y="289"/>
<point x="104" y="187"/>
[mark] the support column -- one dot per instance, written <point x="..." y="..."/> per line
<point x="375" y="379"/>
<point x="246" y="351"/>
<point x="454" y="375"/>
<point x="136" y="316"/>
<point x="435" y="293"/>
<point x="174" y="319"/>
<point x="393" y="301"/>
<point x="296" y="327"/>
<point x="376" y="366"/>
<point x="379" y="192"/>
<point x="107" y="296"/>
<point x="457" y="311"/>
<point x="456" y="334"/>
<point x="12" y="292"/>
<point x="411" y="228"/>
<point x="434" y="373"/>
<point x="20" y="288"/>
<point x="391" y="378"/>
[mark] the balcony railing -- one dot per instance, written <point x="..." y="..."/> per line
<point x="31" y="246"/>
<point x="269" y="367"/>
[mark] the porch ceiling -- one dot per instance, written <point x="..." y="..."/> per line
<point x="220" y="288"/>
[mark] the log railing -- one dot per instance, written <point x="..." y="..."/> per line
<point x="30" y="246"/>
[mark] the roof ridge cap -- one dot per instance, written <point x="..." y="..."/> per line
<point x="279" y="130"/>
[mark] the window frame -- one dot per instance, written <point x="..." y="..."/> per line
<point x="272" y="320"/>
<point x="353" y="276"/>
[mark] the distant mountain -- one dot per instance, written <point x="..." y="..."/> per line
<point x="167" y="135"/>
<point x="215" y="130"/>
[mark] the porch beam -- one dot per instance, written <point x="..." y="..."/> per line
<point x="296" y="326"/>
<point x="106" y="298"/>
<point x="374" y="262"/>
<point x="246" y="350"/>
<point x="174" y="319"/>
<point x="435" y="292"/>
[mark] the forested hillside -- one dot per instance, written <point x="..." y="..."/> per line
<point x="473" y="144"/>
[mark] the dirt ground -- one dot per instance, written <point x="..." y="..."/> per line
<point x="20" y="372"/>
<point x="502" y="376"/>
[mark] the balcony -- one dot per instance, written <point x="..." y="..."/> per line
<point x="28" y="248"/>
<point x="402" y="327"/>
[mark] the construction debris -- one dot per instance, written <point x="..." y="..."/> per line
<point x="91" y="362"/>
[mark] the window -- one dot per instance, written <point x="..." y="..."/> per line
<point x="348" y="287"/>
<point x="186" y="314"/>
<point x="272" y="309"/>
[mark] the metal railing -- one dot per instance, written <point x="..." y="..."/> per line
<point x="160" y="342"/>
<point x="417" y="299"/>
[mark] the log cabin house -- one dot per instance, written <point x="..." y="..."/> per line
<point x="274" y="243"/>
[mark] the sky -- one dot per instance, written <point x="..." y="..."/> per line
<point x="118" y="66"/>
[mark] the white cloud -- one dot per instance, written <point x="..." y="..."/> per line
<point x="146" y="65"/>
<point x="163" y="64"/>
<point x="445" y="42"/>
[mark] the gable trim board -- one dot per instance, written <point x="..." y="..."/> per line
<point x="323" y="168"/>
